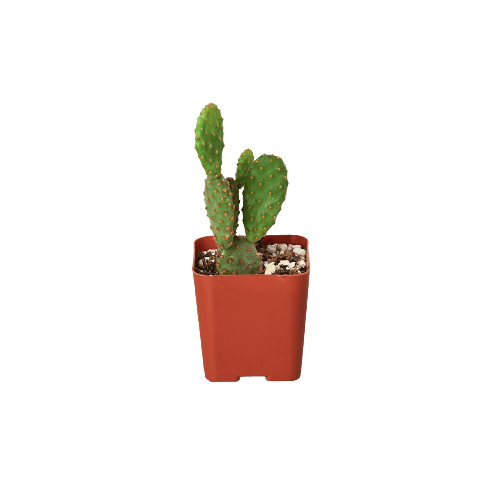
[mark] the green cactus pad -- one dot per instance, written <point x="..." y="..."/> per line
<point x="240" y="258"/>
<point x="264" y="194"/>
<point x="221" y="209"/>
<point x="236" y="194"/>
<point x="209" y="141"/>
<point x="246" y="159"/>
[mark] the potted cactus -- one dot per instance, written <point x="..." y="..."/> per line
<point x="252" y="321"/>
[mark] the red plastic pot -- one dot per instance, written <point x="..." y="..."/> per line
<point x="253" y="324"/>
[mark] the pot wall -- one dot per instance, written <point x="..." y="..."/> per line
<point x="252" y="325"/>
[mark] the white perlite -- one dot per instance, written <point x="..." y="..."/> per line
<point x="200" y="262"/>
<point x="270" y="269"/>
<point x="283" y="247"/>
<point x="287" y="263"/>
<point x="301" y="263"/>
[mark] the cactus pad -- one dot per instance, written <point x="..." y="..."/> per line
<point x="264" y="194"/>
<point x="209" y="142"/>
<point x="220" y="202"/>
<point x="235" y="192"/>
<point x="246" y="159"/>
<point x="240" y="258"/>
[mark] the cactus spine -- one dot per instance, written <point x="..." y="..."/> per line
<point x="265" y="182"/>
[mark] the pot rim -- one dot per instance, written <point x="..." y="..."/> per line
<point x="281" y="276"/>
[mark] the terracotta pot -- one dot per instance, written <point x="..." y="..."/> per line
<point x="252" y="325"/>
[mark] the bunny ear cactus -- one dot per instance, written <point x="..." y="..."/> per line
<point x="265" y="182"/>
<point x="239" y="258"/>
<point x="236" y="199"/>
<point x="221" y="209"/>
<point x="264" y="194"/>
<point x="209" y="139"/>
<point x="244" y="163"/>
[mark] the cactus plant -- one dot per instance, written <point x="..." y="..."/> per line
<point x="264" y="182"/>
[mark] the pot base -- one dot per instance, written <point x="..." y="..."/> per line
<point x="231" y="377"/>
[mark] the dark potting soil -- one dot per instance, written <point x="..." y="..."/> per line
<point x="206" y="262"/>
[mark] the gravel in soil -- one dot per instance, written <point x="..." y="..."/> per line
<point x="271" y="256"/>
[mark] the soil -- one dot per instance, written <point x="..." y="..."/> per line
<point x="208" y="265"/>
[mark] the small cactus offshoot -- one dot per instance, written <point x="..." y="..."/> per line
<point x="264" y="182"/>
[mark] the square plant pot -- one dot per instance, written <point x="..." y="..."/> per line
<point x="252" y="325"/>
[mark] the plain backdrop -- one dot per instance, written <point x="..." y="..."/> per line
<point x="387" y="115"/>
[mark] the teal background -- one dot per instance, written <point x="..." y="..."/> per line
<point x="387" y="116"/>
